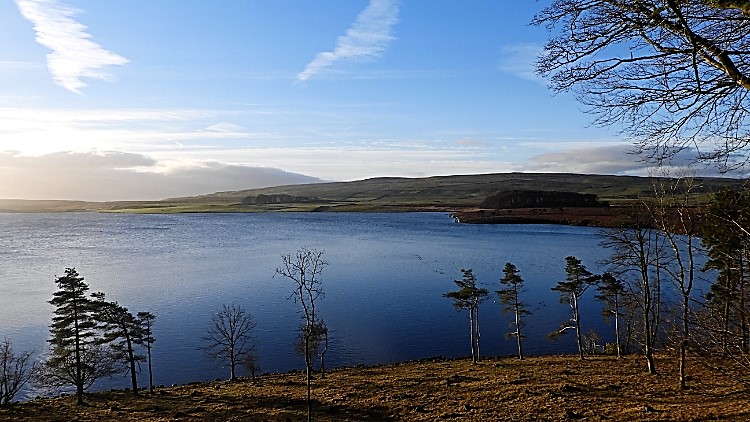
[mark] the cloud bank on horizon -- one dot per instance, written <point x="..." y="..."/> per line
<point x="74" y="55"/>
<point x="366" y="39"/>
<point x="130" y="176"/>
<point x="127" y="176"/>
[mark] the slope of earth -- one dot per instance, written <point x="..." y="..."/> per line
<point x="458" y="190"/>
<point x="537" y="388"/>
<point x="439" y="193"/>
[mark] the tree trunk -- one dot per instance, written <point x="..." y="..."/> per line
<point x="150" y="372"/>
<point x="323" y="354"/>
<point x="650" y="364"/>
<point x="79" y="367"/>
<point x="471" y="335"/>
<point x="476" y="325"/>
<point x="131" y="360"/>
<point x="578" y="325"/>
<point x="518" y="333"/>
<point x="647" y="303"/>
<point x="683" y="344"/>
<point x="743" y="311"/>
<point x="617" y="328"/>
<point x="308" y="375"/>
<point x="727" y="308"/>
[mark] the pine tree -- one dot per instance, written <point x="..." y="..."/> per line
<point x="146" y="320"/>
<point x="510" y="297"/>
<point x="75" y="357"/>
<point x="611" y="291"/>
<point x="468" y="297"/>
<point x="122" y="331"/>
<point x="578" y="280"/>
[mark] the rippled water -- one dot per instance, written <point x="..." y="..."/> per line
<point x="383" y="284"/>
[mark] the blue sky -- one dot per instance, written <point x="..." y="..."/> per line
<point x="119" y="100"/>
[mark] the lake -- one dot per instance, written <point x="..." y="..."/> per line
<point x="383" y="283"/>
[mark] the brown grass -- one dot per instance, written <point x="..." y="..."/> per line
<point x="537" y="388"/>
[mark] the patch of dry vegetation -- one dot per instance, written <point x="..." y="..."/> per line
<point x="537" y="388"/>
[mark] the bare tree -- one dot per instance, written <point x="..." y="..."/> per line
<point x="314" y="342"/>
<point x="15" y="371"/>
<point x="674" y="74"/>
<point x="303" y="268"/>
<point x="60" y="369"/>
<point x="637" y="255"/>
<point x="678" y="221"/>
<point x="251" y="363"/>
<point x="229" y="336"/>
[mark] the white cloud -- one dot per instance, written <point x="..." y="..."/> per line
<point x="366" y="39"/>
<point x="74" y="55"/>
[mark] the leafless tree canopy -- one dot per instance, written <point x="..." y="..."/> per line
<point x="229" y="336"/>
<point x="15" y="371"/>
<point x="675" y="74"/>
<point x="303" y="268"/>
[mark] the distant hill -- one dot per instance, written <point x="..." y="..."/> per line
<point x="382" y="194"/>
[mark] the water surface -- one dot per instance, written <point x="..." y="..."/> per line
<point x="383" y="282"/>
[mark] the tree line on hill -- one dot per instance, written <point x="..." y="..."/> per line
<point x="526" y="198"/>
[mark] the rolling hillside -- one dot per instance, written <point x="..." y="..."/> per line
<point x="449" y="193"/>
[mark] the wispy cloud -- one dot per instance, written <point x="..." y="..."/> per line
<point x="15" y="66"/>
<point x="519" y="59"/>
<point x="473" y="143"/>
<point x="366" y="39"/>
<point x="612" y="159"/>
<point x="74" y="55"/>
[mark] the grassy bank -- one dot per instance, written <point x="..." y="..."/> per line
<point x="537" y="388"/>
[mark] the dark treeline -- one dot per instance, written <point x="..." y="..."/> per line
<point x="538" y="198"/>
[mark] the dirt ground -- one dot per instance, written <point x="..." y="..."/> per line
<point x="505" y="389"/>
